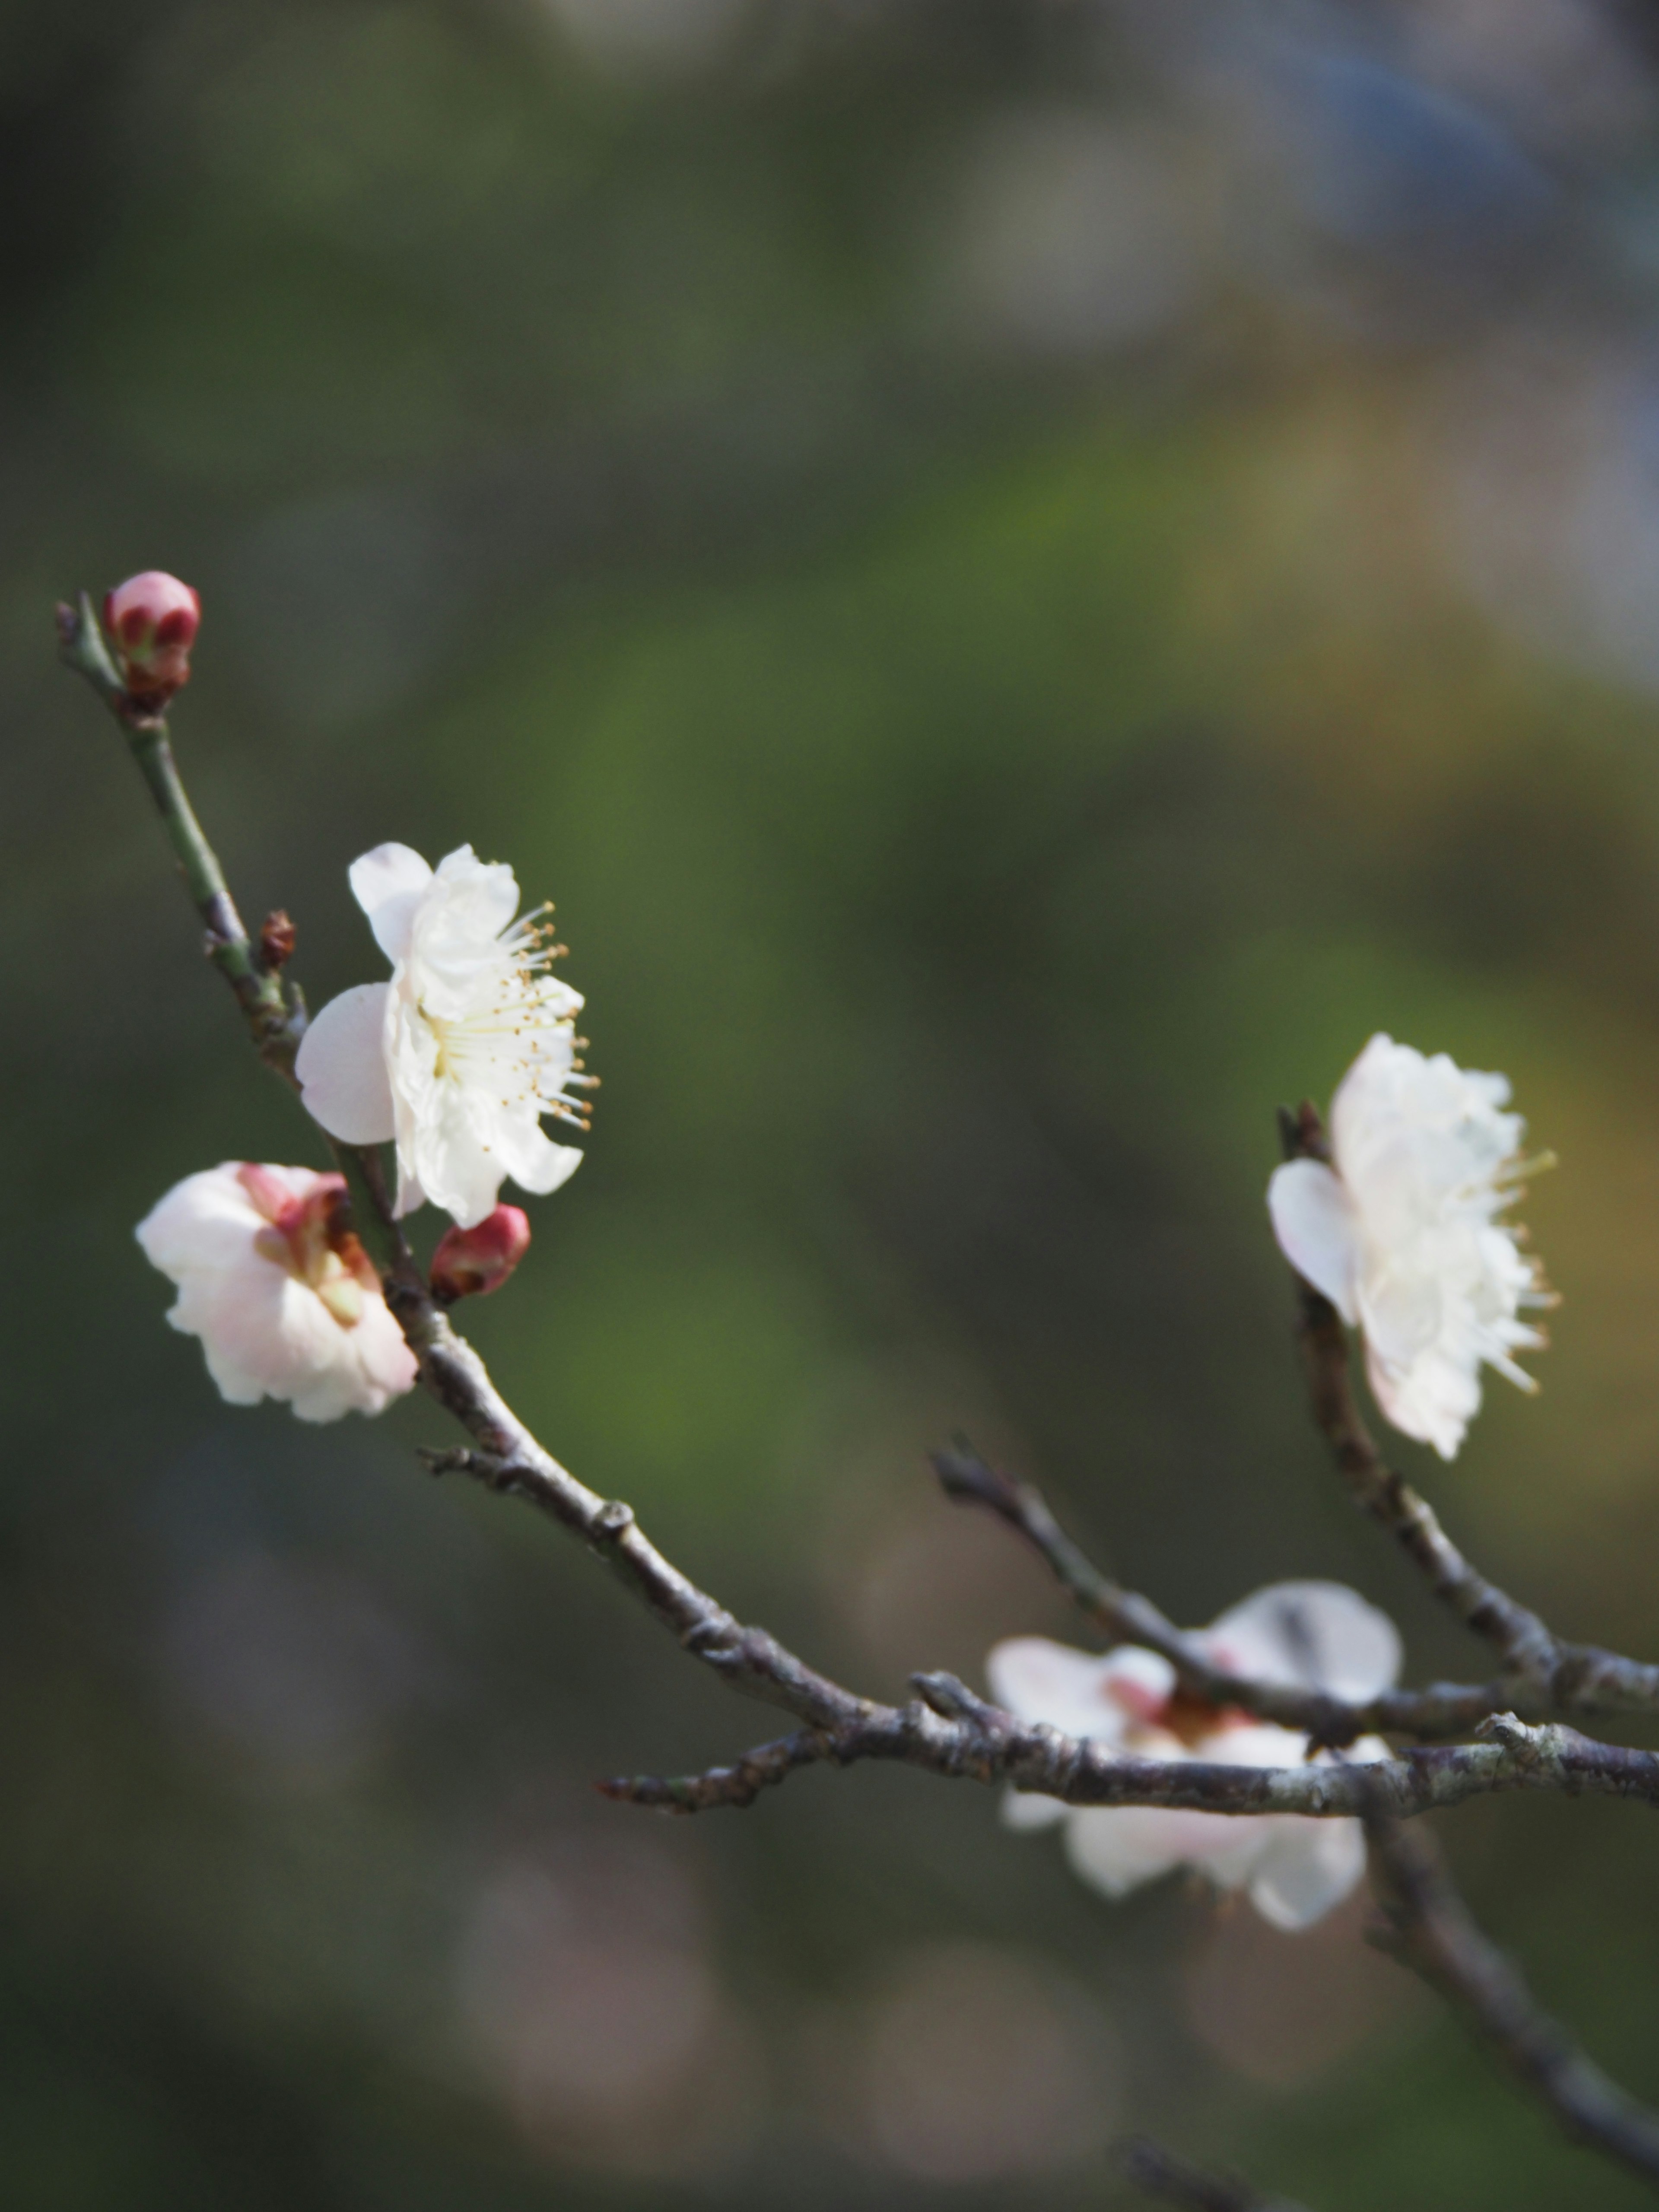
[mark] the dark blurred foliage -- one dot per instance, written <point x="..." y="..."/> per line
<point x="1027" y="575"/>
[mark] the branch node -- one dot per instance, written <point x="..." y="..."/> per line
<point x="953" y="1700"/>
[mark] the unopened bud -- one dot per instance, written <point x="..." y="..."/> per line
<point x="278" y="938"/>
<point x="470" y="1262"/>
<point x="152" y="620"/>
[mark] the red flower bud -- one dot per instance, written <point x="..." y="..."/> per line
<point x="152" y="620"/>
<point x="278" y="938"/>
<point x="470" y="1262"/>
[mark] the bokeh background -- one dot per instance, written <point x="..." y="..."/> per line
<point x="1027" y="573"/>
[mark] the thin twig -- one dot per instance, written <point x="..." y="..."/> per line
<point x="1159" y="2174"/>
<point x="1428" y="1927"/>
<point x="276" y="1023"/>
<point x="1443" y="1709"/>
<point x="980" y="1742"/>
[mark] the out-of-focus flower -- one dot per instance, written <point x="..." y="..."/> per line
<point x="153" y="620"/>
<point x="279" y="1291"/>
<point x="468" y="1046"/>
<point x="472" y="1262"/>
<point x="1311" y="1635"/>
<point x="1402" y="1234"/>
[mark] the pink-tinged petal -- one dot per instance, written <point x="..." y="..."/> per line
<point x="1314" y="1219"/>
<point x="207" y="1220"/>
<point x="1039" y="1680"/>
<point x="389" y="883"/>
<point x="341" y="1068"/>
<point x="1309" y="1867"/>
<point x="1313" y="1634"/>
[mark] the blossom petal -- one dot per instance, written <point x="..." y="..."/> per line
<point x="1317" y="1229"/>
<point x="341" y="1068"/>
<point x="1116" y="1848"/>
<point x="1037" y="1680"/>
<point x="534" y="1160"/>
<point x="207" y="1220"/>
<point x="1311" y="1635"/>
<point x="1023" y="1808"/>
<point x="389" y="883"/>
<point x="1432" y="1400"/>
<point x="1309" y="1867"/>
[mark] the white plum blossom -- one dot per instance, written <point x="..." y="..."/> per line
<point x="280" y="1293"/>
<point x="1401" y="1233"/>
<point x="1294" y="1868"/>
<point x="462" y="1053"/>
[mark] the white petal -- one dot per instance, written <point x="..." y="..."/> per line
<point x="1116" y="1848"/>
<point x="1433" y="1401"/>
<point x="411" y="1197"/>
<point x="389" y="883"/>
<point x="1313" y="1634"/>
<point x="535" y="1163"/>
<point x="1315" y="1222"/>
<point x="448" y="1165"/>
<point x="482" y="895"/>
<point x="1037" y="1680"/>
<point x="1022" y="1808"/>
<point x="341" y="1068"/>
<point x="1310" y="1866"/>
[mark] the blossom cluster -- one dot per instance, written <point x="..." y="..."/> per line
<point x="458" y="1057"/>
<point x="1306" y="1635"/>
<point x="455" y="1060"/>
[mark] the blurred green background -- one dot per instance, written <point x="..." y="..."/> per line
<point x="1026" y="575"/>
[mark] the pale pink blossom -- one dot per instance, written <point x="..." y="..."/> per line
<point x="280" y="1293"/>
<point x="1402" y="1234"/>
<point x="1307" y="1634"/>
<point x="462" y="1053"/>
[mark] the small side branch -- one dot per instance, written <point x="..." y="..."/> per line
<point x="738" y="1785"/>
<point x="1444" y="1710"/>
<point x="274" y="1023"/>
<point x="1157" y="2172"/>
<point x="1428" y="1927"/>
<point x="948" y="1731"/>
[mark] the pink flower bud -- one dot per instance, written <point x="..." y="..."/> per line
<point x="152" y="620"/>
<point x="470" y="1262"/>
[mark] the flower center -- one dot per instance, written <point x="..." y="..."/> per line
<point x="517" y="1036"/>
<point x="309" y="1238"/>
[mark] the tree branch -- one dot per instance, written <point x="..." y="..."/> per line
<point x="1443" y="1709"/>
<point x="1159" y="2174"/>
<point x="947" y="1730"/>
<point x="1427" y="1926"/>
